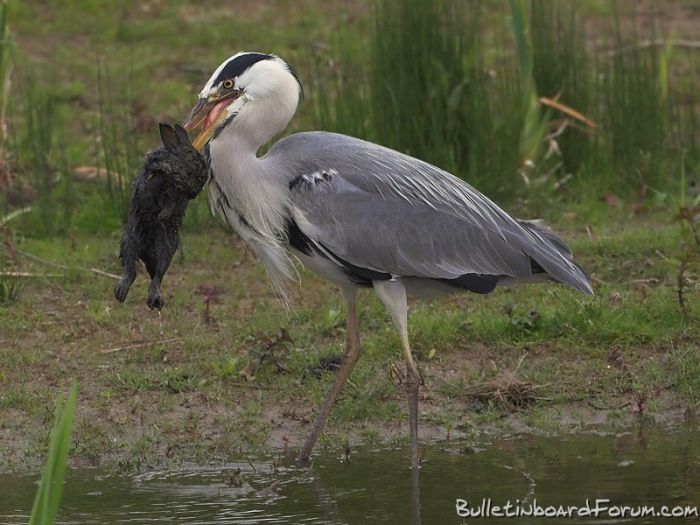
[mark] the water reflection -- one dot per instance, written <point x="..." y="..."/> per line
<point x="646" y="467"/>
<point x="415" y="496"/>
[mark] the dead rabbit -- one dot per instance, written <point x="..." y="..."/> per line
<point x="171" y="176"/>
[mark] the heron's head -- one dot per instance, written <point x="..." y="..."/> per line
<point x="253" y="93"/>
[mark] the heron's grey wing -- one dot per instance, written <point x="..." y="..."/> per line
<point x="387" y="212"/>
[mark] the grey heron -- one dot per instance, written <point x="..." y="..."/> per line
<point x="358" y="214"/>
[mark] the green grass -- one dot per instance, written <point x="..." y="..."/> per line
<point x="95" y="100"/>
<point x="452" y="84"/>
<point x="148" y="401"/>
<point x="48" y="496"/>
<point x="455" y="83"/>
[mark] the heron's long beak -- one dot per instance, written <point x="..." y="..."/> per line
<point x="208" y="113"/>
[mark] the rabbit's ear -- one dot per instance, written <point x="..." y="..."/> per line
<point x="168" y="137"/>
<point x="182" y="135"/>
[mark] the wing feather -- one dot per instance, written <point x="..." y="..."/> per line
<point x="389" y="212"/>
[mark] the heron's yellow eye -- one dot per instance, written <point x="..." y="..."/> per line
<point x="227" y="84"/>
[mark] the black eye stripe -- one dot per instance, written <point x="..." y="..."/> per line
<point x="238" y="65"/>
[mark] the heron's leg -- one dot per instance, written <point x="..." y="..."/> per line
<point x="393" y="295"/>
<point x="350" y="358"/>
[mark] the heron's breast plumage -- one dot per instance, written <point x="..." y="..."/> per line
<point x="259" y="219"/>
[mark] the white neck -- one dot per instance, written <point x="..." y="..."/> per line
<point x="255" y="193"/>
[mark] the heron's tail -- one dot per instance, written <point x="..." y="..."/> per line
<point x="553" y="256"/>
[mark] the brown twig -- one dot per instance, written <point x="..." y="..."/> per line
<point x="102" y="273"/>
<point x="650" y="280"/>
<point x="646" y="44"/>
<point x="62" y="266"/>
<point x="567" y="110"/>
<point x="28" y="274"/>
<point x="140" y="344"/>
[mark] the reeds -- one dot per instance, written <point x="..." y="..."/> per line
<point x="33" y="161"/>
<point x="522" y="99"/>
<point x="117" y="146"/>
<point x="431" y="81"/>
<point x="6" y="67"/>
<point x="419" y="84"/>
<point x="35" y="149"/>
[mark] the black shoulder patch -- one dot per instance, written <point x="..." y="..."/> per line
<point x="297" y="239"/>
<point x="238" y="65"/>
<point x="474" y="282"/>
<point x="359" y="275"/>
<point x="313" y="179"/>
<point x="295" y="182"/>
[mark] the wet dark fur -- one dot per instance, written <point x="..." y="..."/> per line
<point x="171" y="175"/>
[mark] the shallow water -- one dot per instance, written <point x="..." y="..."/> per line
<point x="651" y="467"/>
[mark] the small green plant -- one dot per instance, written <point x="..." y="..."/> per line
<point x="176" y="381"/>
<point x="521" y="320"/>
<point x="9" y="289"/>
<point x="227" y="368"/>
<point x="48" y="496"/>
<point x="99" y="311"/>
<point x="685" y="374"/>
<point x="134" y="380"/>
<point x="688" y="258"/>
<point x="271" y="348"/>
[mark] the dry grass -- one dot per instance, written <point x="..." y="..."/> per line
<point x="508" y="390"/>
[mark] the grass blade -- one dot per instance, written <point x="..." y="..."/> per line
<point x="48" y="495"/>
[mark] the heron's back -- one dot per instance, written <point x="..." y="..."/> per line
<point x="378" y="210"/>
